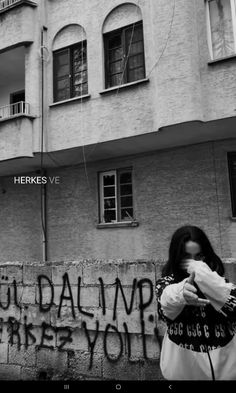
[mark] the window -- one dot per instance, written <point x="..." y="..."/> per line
<point x="70" y="72"/>
<point x="124" y="55"/>
<point x="116" y="196"/>
<point x="232" y="179"/>
<point x="221" y="28"/>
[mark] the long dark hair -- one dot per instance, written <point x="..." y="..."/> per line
<point x="177" y="250"/>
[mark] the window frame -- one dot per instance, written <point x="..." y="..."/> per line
<point x="71" y="74"/>
<point x="108" y="36"/>
<point x="209" y="33"/>
<point x="117" y="173"/>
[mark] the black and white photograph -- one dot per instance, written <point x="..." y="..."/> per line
<point x="117" y="195"/>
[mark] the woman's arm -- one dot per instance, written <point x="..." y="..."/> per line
<point x="170" y="299"/>
<point x="222" y="295"/>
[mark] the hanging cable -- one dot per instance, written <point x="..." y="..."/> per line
<point x="166" y="43"/>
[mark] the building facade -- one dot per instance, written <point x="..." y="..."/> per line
<point x="169" y="120"/>
<point x="127" y="109"/>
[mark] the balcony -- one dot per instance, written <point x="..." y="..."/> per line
<point x="18" y="20"/>
<point x="17" y="109"/>
<point x="16" y="117"/>
<point x="5" y="5"/>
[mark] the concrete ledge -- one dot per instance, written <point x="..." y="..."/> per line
<point x="124" y="86"/>
<point x="118" y="225"/>
<point x="80" y="99"/>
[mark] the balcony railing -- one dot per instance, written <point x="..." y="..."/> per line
<point x="7" y="3"/>
<point x="19" y="108"/>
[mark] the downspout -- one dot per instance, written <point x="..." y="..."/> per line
<point x="43" y="193"/>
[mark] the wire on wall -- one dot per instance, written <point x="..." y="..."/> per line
<point x="166" y="43"/>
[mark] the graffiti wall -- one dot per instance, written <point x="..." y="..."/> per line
<point x="79" y="320"/>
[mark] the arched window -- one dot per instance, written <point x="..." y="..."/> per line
<point x="70" y="63"/>
<point x="123" y="45"/>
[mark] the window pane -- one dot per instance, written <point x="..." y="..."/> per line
<point x="81" y="77"/>
<point x="108" y="180"/>
<point x="115" y="54"/>
<point x="126" y="201"/>
<point x="117" y="80"/>
<point x="63" y="71"/>
<point x="62" y="58"/>
<point x="127" y="214"/>
<point x="63" y="84"/>
<point x="136" y="33"/>
<point x="114" y="42"/>
<point x="61" y="75"/>
<point x="109" y="203"/>
<point x="109" y="191"/>
<point x="126" y="189"/>
<point x="80" y="90"/>
<point x="114" y="60"/>
<point x="80" y="52"/>
<point x="81" y="66"/>
<point x="135" y="48"/>
<point x="109" y="215"/>
<point x="125" y="177"/>
<point x="62" y="89"/>
<point x="116" y="67"/>
<point x="221" y="28"/>
<point x="136" y="74"/>
<point x="63" y="95"/>
<point x="136" y="61"/>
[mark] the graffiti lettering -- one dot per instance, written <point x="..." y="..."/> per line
<point x="90" y="342"/>
<point x="26" y="334"/>
<point x="65" y="339"/>
<point x="66" y="284"/>
<point x="127" y="309"/>
<point x="45" y="336"/>
<point x="78" y="301"/>
<point x="112" y="359"/>
<point x="13" y="328"/>
<point x="43" y="307"/>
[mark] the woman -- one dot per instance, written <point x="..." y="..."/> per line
<point x="199" y="308"/>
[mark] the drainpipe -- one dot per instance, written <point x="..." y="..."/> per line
<point x="43" y="193"/>
<point x="44" y="217"/>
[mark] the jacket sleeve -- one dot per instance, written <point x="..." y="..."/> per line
<point x="221" y="294"/>
<point x="170" y="300"/>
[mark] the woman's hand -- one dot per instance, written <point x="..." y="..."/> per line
<point x="190" y="265"/>
<point x="189" y="293"/>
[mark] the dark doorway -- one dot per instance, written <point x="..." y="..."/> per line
<point x="18" y="100"/>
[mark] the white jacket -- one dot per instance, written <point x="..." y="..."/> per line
<point x="200" y="342"/>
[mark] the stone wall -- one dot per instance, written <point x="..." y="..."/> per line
<point x="79" y="320"/>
